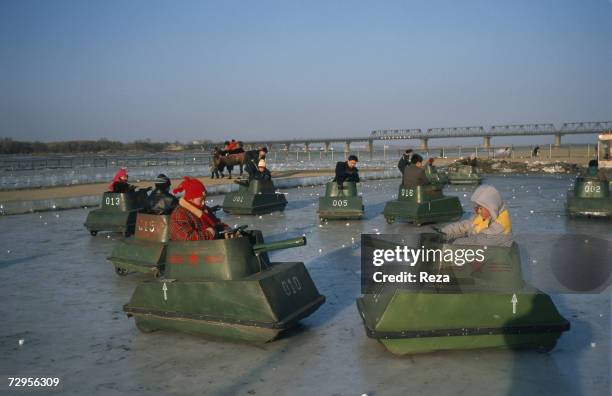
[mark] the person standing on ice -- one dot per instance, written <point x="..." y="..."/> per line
<point x="414" y="174"/>
<point x="404" y="161"/>
<point x="490" y="225"/>
<point x="192" y="220"/>
<point x="347" y="171"/>
<point x="251" y="160"/>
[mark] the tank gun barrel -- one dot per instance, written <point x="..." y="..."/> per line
<point x="278" y="245"/>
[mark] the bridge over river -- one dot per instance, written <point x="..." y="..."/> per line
<point x="569" y="128"/>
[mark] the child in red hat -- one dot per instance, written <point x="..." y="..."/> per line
<point x="192" y="220"/>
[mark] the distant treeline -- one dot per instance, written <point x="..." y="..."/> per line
<point x="10" y="146"/>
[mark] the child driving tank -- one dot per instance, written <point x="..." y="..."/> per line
<point x="490" y="225"/>
<point x="192" y="220"/>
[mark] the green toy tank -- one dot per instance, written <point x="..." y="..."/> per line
<point x="117" y="212"/>
<point x="226" y="288"/>
<point x="436" y="177"/>
<point x="145" y="252"/>
<point x="340" y="204"/>
<point x="486" y="305"/>
<point x="463" y="174"/>
<point x="423" y="204"/>
<point x="258" y="197"/>
<point x="590" y="198"/>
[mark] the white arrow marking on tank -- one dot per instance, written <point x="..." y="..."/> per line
<point x="514" y="301"/>
<point x="165" y="289"/>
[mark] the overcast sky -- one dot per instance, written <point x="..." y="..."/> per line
<point x="183" y="70"/>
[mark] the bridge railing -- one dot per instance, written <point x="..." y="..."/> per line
<point x="595" y="127"/>
<point x="388" y="157"/>
<point x="455" y="131"/>
<point x="522" y="129"/>
<point x="495" y="130"/>
<point x="384" y="134"/>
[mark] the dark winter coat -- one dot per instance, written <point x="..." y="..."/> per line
<point x="344" y="173"/>
<point x="123" y="187"/>
<point x="414" y="176"/>
<point x="403" y="162"/>
<point x="161" y="202"/>
<point x="251" y="159"/>
<point x="265" y="175"/>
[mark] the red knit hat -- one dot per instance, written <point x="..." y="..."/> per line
<point x="193" y="188"/>
<point x="120" y="173"/>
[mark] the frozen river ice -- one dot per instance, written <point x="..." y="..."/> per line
<point x="61" y="296"/>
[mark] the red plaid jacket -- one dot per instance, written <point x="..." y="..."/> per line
<point x="186" y="226"/>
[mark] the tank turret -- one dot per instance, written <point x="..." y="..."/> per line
<point x="279" y="245"/>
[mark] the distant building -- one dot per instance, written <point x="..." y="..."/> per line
<point x="175" y="147"/>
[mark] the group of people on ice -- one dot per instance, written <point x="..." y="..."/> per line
<point x="191" y="219"/>
<point x="233" y="154"/>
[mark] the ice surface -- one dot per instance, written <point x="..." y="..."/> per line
<point x="62" y="297"/>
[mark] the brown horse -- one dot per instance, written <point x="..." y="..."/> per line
<point x="221" y="161"/>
